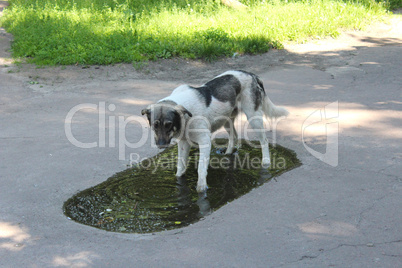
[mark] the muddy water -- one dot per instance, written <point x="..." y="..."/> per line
<point x="149" y="198"/>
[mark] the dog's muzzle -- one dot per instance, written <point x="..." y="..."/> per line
<point x="162" y="143"/>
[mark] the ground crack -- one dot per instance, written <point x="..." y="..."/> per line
<point x="322" y="251"/>
<point x="360" y="215"/>
<point x="392" y="255"/>
<point x="307" y="257"/>
<point x="364" y="245"/>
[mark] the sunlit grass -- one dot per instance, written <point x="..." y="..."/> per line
<point x="105" y="32"/>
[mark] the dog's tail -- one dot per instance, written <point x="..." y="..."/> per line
<point x="271" y="110"/>
<point x="268" y="107"/>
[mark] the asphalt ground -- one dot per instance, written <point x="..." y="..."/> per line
<point x="341" y="208"/>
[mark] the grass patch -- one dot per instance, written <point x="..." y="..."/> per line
<point x="65" y="32"/>
<point x="393" y="4"/>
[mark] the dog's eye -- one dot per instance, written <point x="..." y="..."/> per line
<point x="156" y="124"/>
<point x="168" y="125"/>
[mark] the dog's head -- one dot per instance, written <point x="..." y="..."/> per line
<point x="166" y="120"/>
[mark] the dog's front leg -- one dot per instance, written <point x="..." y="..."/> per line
<point x="205" y="151"/>
<point x="182" y="159"/>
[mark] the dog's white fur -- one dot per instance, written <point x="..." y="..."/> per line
<point x="206" y="120"/>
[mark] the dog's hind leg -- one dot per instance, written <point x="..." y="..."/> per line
<point x="257" y="122"/>
<point x="183" y="149"/>
<point x="229" y="126"/>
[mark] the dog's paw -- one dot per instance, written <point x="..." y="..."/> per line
<point x="202" y="188"/>
<point x="229" y="150"/>
<point x="265" y="163"/>
<point x="180" y="172"/>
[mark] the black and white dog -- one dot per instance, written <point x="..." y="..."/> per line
<point x="192" y="114"/>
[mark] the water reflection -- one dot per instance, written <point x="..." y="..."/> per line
<point x="150" y="198"/>
<point x="184" y="198"/>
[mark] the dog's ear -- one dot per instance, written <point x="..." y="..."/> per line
<point x="146" y="111"/>
<point x="183" y="110"/>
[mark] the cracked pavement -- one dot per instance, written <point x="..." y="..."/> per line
<point x="318" y="215"/>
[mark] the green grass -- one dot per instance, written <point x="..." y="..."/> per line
<point x="65" y="32"/>
<point x="393" y="4"/>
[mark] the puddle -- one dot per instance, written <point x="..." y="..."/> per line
<point x="149" y="198"/>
